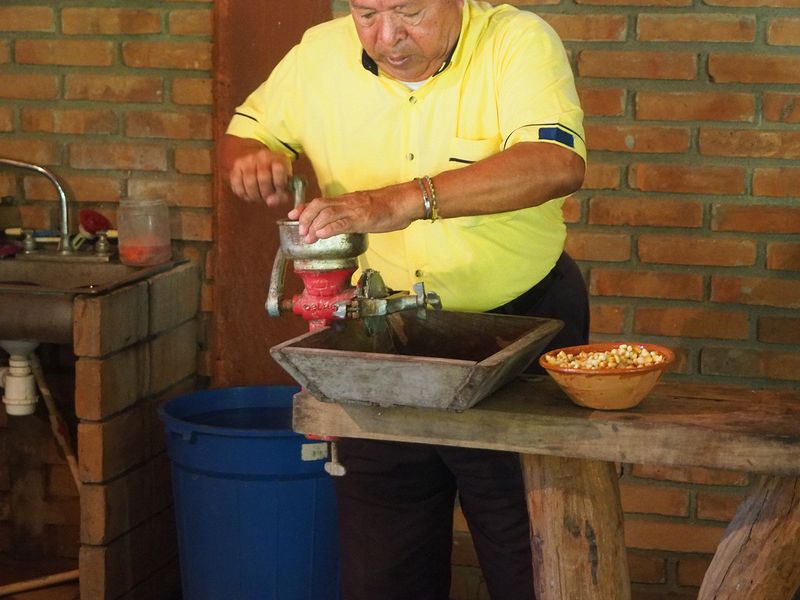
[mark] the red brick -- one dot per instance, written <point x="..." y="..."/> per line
<point x="160" y="124"/>
<point x="749" y="143"/>
<point x="69" y="121"/>
<point x="607" y="318"/>
<point x="778" y="330"/>
<point x="717" y="506"/>
<point x="192" y="91"/>
<point x="654" y="499"/>
<point x="193" y="161"/>
<point x="111" y="88"/>
<point x="698" y="475"/>
<point x="646" y="284"/>
<point x="190" y="22"/>
<point x="593" y="28"/>
<point x="26" y="18"/>
<point x="178" y="192"/>
<point x="191" y="224"/>
<point x="110" y="21"/>
<point x="39" y="152"/>
<point x="5" y="52"/>
<point x="695" y="28"/>
<point x="696" y="250"/>
<point x="586" y="245"/>
<point x="672" y="536"/>
<point x="687" y="179"/>
<point x="167" y="55"/>
<point x="85" y="53"/>
<point x="137" y="157"/>
<point x="637" y="64"/>
<point x="753" y="68"/>
<point x="8" y="187"/>
<point x="602" y="102"/>
<point x="784" y="256"/>
<point x="756" y="290"/>
<point x="783" y="32"/>
<point x="6" y="119"/>
<point x="695" y="106"/>
<point x="601" y="176"/>
<point x="764" y="219"/>
<point x="784" y="108"/>
<point x="692" y="322"/>
<point x="644" y="212"/>
<point x="28" y="87"/>
<point x="750" y="362"/>
<point x="95" y="189"/>
<point x="692" y="569"/>
<point x="36" y="217"/>
<point x="572" y="209"/>
<point x="637" y="138"/>
<point x="779" y="182"/>
<point x="646" y="568"/>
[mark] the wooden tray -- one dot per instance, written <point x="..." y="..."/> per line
<point x="448" y="360"/>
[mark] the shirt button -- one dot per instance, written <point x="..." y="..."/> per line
<point x="410" y="156"/>
<point x="412" y="99"/>
<point x="418" y="273"/>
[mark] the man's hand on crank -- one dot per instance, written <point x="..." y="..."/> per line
<point x="255" y="173"/>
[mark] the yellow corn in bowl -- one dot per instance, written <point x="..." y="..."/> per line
<point x="607" y="376"/>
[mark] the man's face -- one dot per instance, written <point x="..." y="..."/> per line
<point x="409" y="39"/>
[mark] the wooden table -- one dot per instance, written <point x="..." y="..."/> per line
<point x="569" y="455"/>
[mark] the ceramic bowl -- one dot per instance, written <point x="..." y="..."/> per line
<point x="607" y="388"/>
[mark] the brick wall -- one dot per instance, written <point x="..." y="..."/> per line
<point x="117" y="102"/>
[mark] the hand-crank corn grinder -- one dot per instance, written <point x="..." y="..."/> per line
<point x="326" y="268"/>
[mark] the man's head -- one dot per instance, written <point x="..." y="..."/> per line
<point x="409" y="39"/>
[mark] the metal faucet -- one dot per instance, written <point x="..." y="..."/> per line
<point x="64" y="247"/>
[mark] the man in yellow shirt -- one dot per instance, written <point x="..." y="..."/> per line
<point x="450" y="131"/>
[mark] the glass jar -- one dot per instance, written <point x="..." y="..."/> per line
<point x="144" y="234"/>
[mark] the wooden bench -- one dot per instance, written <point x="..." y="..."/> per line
<point x="569" y="455"/>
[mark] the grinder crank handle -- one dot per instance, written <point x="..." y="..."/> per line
<point x="273" y="303"/>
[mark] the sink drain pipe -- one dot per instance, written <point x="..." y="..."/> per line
<point x="20" y="379"/>
<point x="17" y="378"/>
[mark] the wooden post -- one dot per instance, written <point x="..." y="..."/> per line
<point x="576" y="529"/>
<point x="759" y="555"/>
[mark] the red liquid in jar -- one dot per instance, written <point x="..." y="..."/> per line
<point x="144" y="251"/>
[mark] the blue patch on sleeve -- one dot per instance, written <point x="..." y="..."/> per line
<point x="557" y="135"/>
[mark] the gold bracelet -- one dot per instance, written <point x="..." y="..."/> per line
<point x="434" y="201"/>
<point x="426" y="200"/>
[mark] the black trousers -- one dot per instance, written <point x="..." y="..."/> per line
<point x="396" y="501"/>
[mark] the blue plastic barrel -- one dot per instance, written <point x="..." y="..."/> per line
<point x="254" y="508"/>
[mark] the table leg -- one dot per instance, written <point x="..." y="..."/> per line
<point x="759" y="555"/>
<point x="576" y="529"/>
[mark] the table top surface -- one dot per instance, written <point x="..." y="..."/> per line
<point x="678" y="424"/>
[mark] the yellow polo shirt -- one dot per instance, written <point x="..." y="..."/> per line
<point x="507" y="81"/>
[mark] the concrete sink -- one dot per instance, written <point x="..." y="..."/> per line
<point x="36" y="297"/>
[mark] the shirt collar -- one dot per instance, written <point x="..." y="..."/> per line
<point x="370" y="65"/>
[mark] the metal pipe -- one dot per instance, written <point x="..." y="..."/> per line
<point x="63" y="244"/>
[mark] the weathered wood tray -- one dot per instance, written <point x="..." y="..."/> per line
<point x="448" y="360"/>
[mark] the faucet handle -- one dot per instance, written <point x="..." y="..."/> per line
<point x="28" y="241"/>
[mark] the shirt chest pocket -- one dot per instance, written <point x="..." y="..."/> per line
<point x="465" y="152"/>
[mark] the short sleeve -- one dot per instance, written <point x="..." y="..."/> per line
<point x="537" y="100"/>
